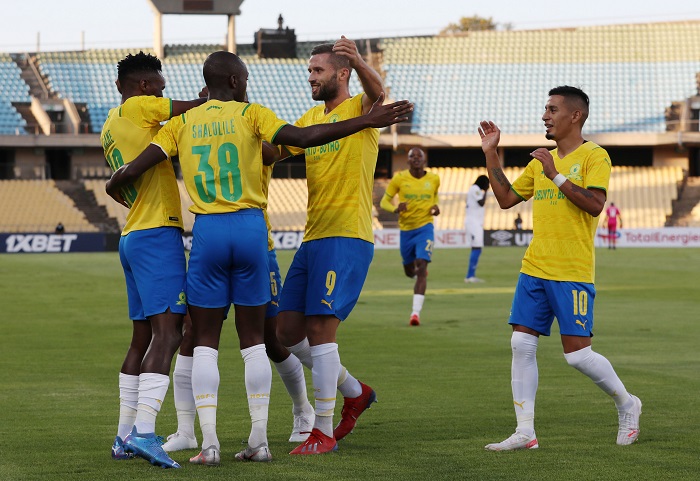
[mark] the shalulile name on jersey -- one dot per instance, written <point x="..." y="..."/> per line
<point x="211" y="129"/>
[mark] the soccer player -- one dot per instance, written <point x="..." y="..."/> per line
<point x="613" y="219"/>
<point x="474" y="224"/>
<point x="288" y="366"/>
<point x="219" y="145"/>
<point x="569" y="187"/>
<point x="155" y="277"/>
<point x="326" y="276"/>
<point x="418" y="203"/>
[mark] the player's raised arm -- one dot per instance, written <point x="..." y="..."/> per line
<point x="379" y="116"/>
<point x="369" y="78"/>
<point x="490" y="136"/>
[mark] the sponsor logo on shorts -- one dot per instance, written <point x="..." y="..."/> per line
<point x="582" y="324"/>
<point x="329" y="304"/>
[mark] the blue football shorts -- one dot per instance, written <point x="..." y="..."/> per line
<point x="154" y="267"/>
<point x="326" y="276"/>
<point x="537" y="301"/>
<point x="417" y="243"/>
<point x="228" y="260"/>
<point x="273" y="306"/>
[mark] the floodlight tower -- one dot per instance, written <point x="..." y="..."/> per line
<point x="230" y="8"/>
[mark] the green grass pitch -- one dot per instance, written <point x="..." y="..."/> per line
<point x="443" y="388"/>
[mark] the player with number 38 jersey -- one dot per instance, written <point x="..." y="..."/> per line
<point x="223" y="142"/>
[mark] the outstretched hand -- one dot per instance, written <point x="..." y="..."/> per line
<point x="385" y="115"/>
<point x="490" y="135"/>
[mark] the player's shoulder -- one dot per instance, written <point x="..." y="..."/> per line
<point x="595" y="152"/>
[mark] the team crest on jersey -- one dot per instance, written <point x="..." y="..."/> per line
<point x="575" y="172"/>
<point x="426" y="185"/>
<point x="334" y="118"/>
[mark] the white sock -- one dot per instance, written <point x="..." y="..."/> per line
<point x="524" y="380"/>
<point x="417" y="303"/>
<point x="258" y="381"/>
<point x="292" y="373"/>
<point x="152" y="390"/>
<point x="205" y="387"/>
<point x="184" y="399"/>
<point x="303" y="352"/>
<point x="326" y="366"/>
<point x="128" y="403"/>
<point x="347" y="384"/>
<point x="599" y="369"/>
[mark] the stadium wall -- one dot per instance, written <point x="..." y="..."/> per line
<point x="384" y="239"/>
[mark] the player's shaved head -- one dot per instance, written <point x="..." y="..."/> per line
<point x="219" y="70"/>
<point x="416" y="151"/>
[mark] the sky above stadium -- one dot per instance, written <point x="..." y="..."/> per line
<point x="63" y="24"/>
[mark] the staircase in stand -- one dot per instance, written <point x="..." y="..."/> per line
<point x="688" y="199"/>
<point x="85" y="200"/>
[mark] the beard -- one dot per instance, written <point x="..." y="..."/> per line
<point x="326" y="91"/>
<point x="549" y="136"/>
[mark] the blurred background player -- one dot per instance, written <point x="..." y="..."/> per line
<point x="474" y="224"/>
<point x="418" y="203"/>
<point x="557" y="275"/>
<point x="151" y="253"/>
<point x="518" y="222"/>
<point x="613" y="219"/>
<point x="322" y="286"/>
<point x="220" y="151"/>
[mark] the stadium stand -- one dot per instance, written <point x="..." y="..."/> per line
<point x="37" y="206"/>
<point x="12" y="89"/>
<point x="89" y="76"/>
<point x="632" y="73"/>
<point x="644" y="194"/>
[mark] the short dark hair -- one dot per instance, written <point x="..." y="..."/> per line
<point x="574" y="94"/>
<point x="483" y="182"/>
<point x="338" y="61"/>
<point x="139" y="63"/>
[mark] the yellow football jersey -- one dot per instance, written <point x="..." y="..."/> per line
<point x="340" y="176"/>
<point x="220" y="149"/>
<point x="154" y="198"/>
<point x="562" y="244"/>
<point x="419" y="194"/>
